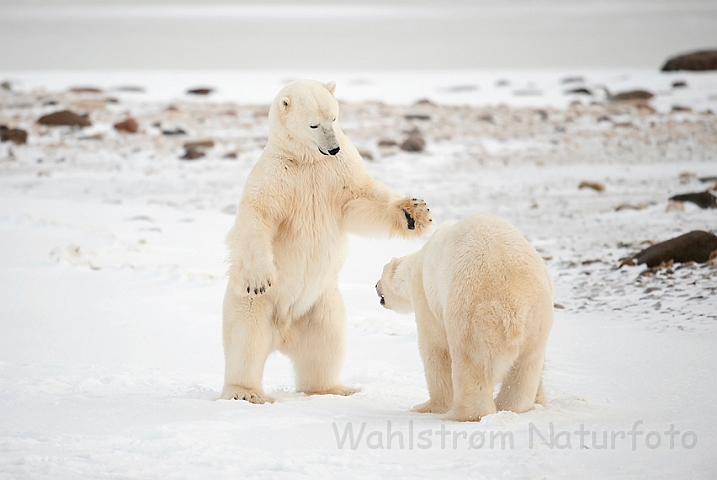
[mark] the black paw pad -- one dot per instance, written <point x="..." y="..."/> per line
<point x="409" y="219"/>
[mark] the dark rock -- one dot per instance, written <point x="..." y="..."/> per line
<point x="695" y="61"/>
<point x="679" y="84"/>
<point x="65" y="117"/>
<point x="85" y="90"/>
<point x="6" y="85"/>
<point x="176" y="131"/>
<point x="15" y="135"/>
<point x="597" y="186"/>
<point x="695" y="246"/>
<point x="200" y="91"/>
<point x="193" y="154"/>
<point x="414" y="143"/>
<point x="199" y="144"/>
<point x="680" y="108"/>
<point x="417" y="116"/>
<point x="578" y="91"/>
<point x="130" y="126"/>
<point x="572" y="80"/>
<point x="196" y="149"/>
<point x="630" y="95"/>
<point x="710" y="178"/>
<point x="387" y="142"/>
<point x="701" y="199"/>
<point x="130" y="89"/>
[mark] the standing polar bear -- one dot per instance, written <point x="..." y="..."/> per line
<point x="484" y="307"/>
<point x="308" y="190"/>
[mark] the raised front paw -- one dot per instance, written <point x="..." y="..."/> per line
<point x="417" y="216"/>
<point x="254" y="279"/>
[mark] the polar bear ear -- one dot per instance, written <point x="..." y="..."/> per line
<point x="331" y="87"/>
<point x="285" y="103"/>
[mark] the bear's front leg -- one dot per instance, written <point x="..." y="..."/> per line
<point x="249" y="338"/>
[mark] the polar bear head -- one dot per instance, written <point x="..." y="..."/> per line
<point x="304" y="114"/>
<point x="394" y="288"/>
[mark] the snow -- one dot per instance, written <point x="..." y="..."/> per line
<point x="112" y="267"/>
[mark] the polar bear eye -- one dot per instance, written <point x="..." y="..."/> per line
<point x="314" y="126"/>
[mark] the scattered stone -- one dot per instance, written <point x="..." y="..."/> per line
<point x="85" y="90"/>
<point x="575" y="79"/>
<point x="578" y="91"/>
<point x="675" y="207"/>
<point x="687" y="177"/>
<point x="196" y="149"/>
<point x="628" y="206"/>
<point x="65" y="117"/>
<point x="14" y="135"/>
<point x="502" y="83"/>
<point x="425" y="101"/>
<point x="679" y="84"/>
<point x="176" y="131"/>
<point x="701" y="199"/>
<point x="680" y="108"/>
<point x="628" y="96"/>
<point x="6" y="85"/>
<point x="205" y="144"/>
<point x="597" y="186"/>
<point x="696" y="246"/>
<point x="192" y="154"/>
<point x="231" y="155"/>
<point x="694" y="61"/>
<point x="366" y="155"/>
<point x="200" y="91"/>
<point x="417" y="116"/>
<point x="710" y="178"/>
<point x="387" y="142"/>
<point x="414" y="143"/>
<point x="558" y="306"/>
<point x="129" y="125"/>
<point x="130" y="89"/>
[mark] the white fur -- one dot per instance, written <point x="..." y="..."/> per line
<point x="289" y="241"/>
<point x="483" y="300"/>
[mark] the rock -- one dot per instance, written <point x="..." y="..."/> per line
<point x="200" y="91"/>
<point x="417" y="116"/>
<point x="701" y="199"/>
<point x="675" y="207"/>
<point x="679" y="84"/>
<point x="597" y="186"/>
<point x="680" y="108"/>
<point x="695" y="61"/>
<point x="65" y="117"/>
<point x="85" y="90"/>
<point x="196" y="149"/>
<point x="176" y="131"/>
<point x="387" y="142"/>
<point x="575" y="79"/>
<point x="15" y="135"/>
<point x="192" y="154"/>
<point x="130" y="126"/>
<point x="709" y="178"/>
<point x="695" y="246"/>
<point x="5" y="85"/>
<point x="629" y="96"/>
<point x="365" y="154"/>
<point x="578" y="91"/>
<point x="628" y="206"/>
<point x="414" y="143"/>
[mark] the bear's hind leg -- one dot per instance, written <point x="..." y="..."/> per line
<point x="249" y="337"/>
<point x="521" y="388"/>
<point x="316" y="345"/>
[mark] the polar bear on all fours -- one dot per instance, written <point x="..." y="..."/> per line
<point x="483" y="300"/>
<point x="308" y="190"/>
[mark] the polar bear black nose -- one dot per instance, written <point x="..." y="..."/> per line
<point x="335" y="151"/>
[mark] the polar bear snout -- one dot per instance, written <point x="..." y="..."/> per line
<point x="334" y="151"/>
<point x="380" y="294"/>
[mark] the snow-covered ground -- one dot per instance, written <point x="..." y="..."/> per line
<point x="112" y="276"/>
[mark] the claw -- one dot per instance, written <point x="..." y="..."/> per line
<point x="409" y="219"/>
